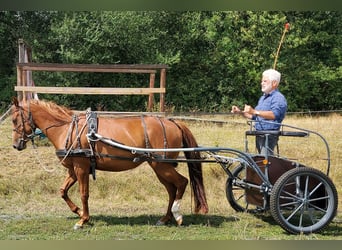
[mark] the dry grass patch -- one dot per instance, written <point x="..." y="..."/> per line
<point x="30" y="181"/>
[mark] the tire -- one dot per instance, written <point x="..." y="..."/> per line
<point x="303" y="200"/>
<point x="236" y="192"/>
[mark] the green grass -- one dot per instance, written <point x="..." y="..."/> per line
<point x="126" y="205"/>
<point x="141" y="227"/>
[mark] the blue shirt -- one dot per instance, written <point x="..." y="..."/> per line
<point x="275" y="102"/>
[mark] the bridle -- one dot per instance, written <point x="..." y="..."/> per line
<point x="24" y="136"/>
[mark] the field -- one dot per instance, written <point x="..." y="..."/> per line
<point x="126" y="205"/>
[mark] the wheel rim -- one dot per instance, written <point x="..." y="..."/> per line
<point x="304" y="202"/>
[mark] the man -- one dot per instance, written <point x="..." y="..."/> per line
<point x="269" y="112"/>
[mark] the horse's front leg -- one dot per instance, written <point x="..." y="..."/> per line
<point x="69" y="181"/>
<point x="82" y="175"/>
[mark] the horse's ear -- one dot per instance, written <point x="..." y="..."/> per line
<point x="15" y="101"/>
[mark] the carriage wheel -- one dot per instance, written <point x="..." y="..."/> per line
<point x="303" y="200"/>
<point x="236" y="193"/>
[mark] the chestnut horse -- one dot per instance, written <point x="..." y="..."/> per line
<point x="67" y="131"/>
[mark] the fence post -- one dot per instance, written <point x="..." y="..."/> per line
<point x="151" y="96"/>
<point x="162" y="85"/>
<point x="21" y="51"/>
<point x="24" y="77"/>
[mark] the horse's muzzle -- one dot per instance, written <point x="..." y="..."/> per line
<point x="21" y="145"/>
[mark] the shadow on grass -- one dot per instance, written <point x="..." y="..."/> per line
<point x="188" y="220"/>
<point x="334" y="228"/>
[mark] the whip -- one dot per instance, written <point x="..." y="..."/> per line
<point x="286" y="28"/>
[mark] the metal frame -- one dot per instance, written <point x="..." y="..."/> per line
<point x="299" y="132"/>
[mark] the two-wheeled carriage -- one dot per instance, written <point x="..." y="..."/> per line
<point x="301" y="199"/>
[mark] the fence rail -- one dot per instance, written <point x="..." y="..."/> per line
<point x="90" y="91"/>
<point x="110" y="68"/>
<point x="26" y="88"/>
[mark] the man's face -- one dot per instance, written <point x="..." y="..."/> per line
<point x="266" y="85"/>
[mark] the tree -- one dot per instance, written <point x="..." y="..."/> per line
<point x="216" y="57"/>
<point x="313" y="62"/>
<point x="32" y="25"/>
<point x="101" y="38"/>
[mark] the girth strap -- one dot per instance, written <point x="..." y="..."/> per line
<point x="147" y="141"/>
<point x="74" y="152"/>
<point x="164" y="135"/>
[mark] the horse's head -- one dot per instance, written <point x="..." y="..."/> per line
<point x="23" y="126"/>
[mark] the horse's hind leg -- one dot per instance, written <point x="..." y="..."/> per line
<point x="69" y="181"/>
<point x="175" y="185"/>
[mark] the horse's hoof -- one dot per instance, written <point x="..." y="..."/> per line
<point x="160" y="223"/>
<point x="179" y="220"/>
<point x="78" y="226"/>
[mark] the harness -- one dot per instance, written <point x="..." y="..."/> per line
<point x="70" y="150"/>
<point x="74" y="149"/>
<point x="92" y="138"/>
<point x="92" y="130"/>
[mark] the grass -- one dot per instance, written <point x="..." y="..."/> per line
<point x="126" y="205"/>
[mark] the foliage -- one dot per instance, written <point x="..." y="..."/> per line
<point x="314" y="57"/>
<point x="215" y="57"/>
<point x="33" y="26"/>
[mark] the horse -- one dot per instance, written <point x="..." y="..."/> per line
<point x="82" y="153"/>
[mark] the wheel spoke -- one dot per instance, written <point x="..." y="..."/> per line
<point x="294" y="212"/>
<point x="239" y="197"/>
<point x="299" y="201"/>
<point x="300" y="224"/>
<point x="306" y="187"/>
<point x="319" y="198"/>
<point x="290" y="196"/>
<point x="283" y="205"/>
<point x="318" y="208"/>
<point x="246" y="207"/>
<point x="314" y="190"/>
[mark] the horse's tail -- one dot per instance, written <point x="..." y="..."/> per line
<point x="195" y="170"/>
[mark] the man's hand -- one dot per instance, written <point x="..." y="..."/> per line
<point x="245" y="112"/>
<point x="235" y="110"/>
<point x="249" y="110"/>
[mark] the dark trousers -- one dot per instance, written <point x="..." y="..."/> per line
<point x="261" y="146"/>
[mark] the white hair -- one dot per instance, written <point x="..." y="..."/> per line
<point x="272" y="74"/>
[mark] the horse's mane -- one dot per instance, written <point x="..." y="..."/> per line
<point x="59" y="112"/>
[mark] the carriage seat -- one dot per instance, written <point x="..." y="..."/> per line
<point x="277" y="132"/>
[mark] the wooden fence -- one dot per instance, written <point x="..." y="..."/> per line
<point x="26" y="88"/>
